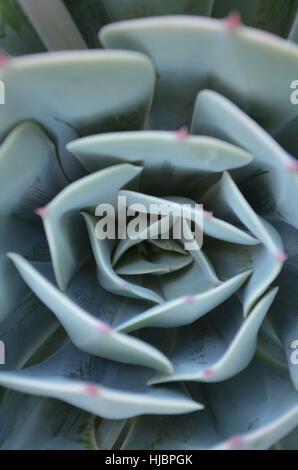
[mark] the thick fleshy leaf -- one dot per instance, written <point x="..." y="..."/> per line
<point x="64" y="224"/>
<point x="230" y="260"/>
<point x="187" y="309"/>
<point x="275" y="184"/>
<point x="211" y="226"/>
<point x="227" y="202"/>
<point x="86" y="332"/>
<point x="110" y="91"/>
<point x="284" y="316"/>
<point x="105" y="389"/>
<point x="90" y="15"/>
<point x="16" y="33"/>
<point x="251" y="67"/>
<point x="107" y="276"/>
<point x="172" y="165"/>
<point x="219" y="347"/>
<point x="155" y="148"/>
<point x="252" y="410"/>
<point x="36" y="178"/>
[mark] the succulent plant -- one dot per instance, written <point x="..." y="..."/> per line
<point x="141" y="344"/>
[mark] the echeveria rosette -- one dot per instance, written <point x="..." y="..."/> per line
<point x="121" y="345"/>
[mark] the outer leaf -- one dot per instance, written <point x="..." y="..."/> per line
<point x="251" y="411"/>
<point x="89" y="334"/>
<point x="16" y="33"/>
<point x="120" y="393"/>
<point x="37" y="87"/>
<point x="251" y="67"/>
<point x="216" y="116"/>
<point x="154" y="148"/>
<point x="36" y="178"/>
<point x="47" y="20"/>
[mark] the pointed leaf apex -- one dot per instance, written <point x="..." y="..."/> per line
<point x="233" y="21"/>
<point x="292" y="165"/>
<point x="208" y="373"/>
<point x="104" y="328"/>
<point x="182" y="133"/>
<point x="189" y="299"/>
<point x="124" y="286"/>
<point x="237" y="442"/>
<point x="4" y="60"/>
<point x="208" y="214"/>
<point x="91" y="389"/>
<point x="281" y="257"/>
<point x="41" y="211"/>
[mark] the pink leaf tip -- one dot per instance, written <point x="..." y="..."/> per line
<point x="41" y="211"/>
<point x="91" y="389"/>
<point x="189" y="299"/>
<point x="208" y="372"/>
<point x="4" y="59"/>
<point x="236" y="442"/>
<point x="233" y="21"/>
<point x="207" y="214"/>
<point x="124" y="286"/>
<point x="281" y="257"/>
<point x="103" y="328"/>
<point x="182" y="133"/>
<point x="292" y="165"/>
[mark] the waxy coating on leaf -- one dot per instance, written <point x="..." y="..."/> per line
<point x="191" y="345"/>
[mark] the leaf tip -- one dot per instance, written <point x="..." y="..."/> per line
<point x="281" y="257"/>
<point x="189" y="299"/>
<point x="208" y="372"/>
<point x="182" y="133"/>
<point x="4" y="60"/>
<point x="91" y="389"/>
<point x="236" y="442"/>
<point x="292" y="165"/>
<point x="233" y="21"/>
<point x="41" y="212"/>
<point x="103" y="328"/>
<point x="124" y="286"/>
<point x="208" y="214"/>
